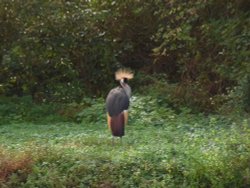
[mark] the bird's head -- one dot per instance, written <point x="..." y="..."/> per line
<point x="123" y="81"/>
<point x="123" y="75"/>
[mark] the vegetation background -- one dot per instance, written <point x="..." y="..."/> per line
<point x="191" y="64"/>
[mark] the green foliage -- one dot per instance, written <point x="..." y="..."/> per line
<point x="205" y="44"/>
<point x="64" y="50"/>
<point x="95" y="112"/>
<point x="161" y="149"/>
<point x="17" y="110"/>
<point x="14" y="110"/>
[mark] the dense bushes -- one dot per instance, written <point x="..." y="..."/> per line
<point x="63" y="50"/>
<point x="67" y="49"/>
<point x="205" y="43"/>
<point x="23" y="109"/>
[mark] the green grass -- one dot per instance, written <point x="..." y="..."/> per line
<point x="160" y="149"/>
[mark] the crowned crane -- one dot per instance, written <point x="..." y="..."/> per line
<point x="117" y="103"/>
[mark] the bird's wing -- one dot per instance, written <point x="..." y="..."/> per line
<point x="117" y="101"/>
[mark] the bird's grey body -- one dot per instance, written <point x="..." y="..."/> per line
<point x="127" y="89"/>
<point x="118" y="100"/>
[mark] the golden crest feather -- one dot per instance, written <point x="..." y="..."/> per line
<point x="124" y="73"/>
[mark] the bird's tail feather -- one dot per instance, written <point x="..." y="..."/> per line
<point x="117" y="125"/>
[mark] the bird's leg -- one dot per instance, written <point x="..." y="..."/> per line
<point x="109" y="121"/>
<point x="113" y="140"/>
<point x="125" y="117"/>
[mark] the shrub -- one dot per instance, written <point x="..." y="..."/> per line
<point x="14" y="163"/>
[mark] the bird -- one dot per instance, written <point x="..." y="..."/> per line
<point x="117" y="103"/>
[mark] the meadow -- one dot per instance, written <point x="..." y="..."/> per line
<point x="161" y="148"/>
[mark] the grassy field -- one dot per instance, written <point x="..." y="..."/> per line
<point x="177" y="150"/>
